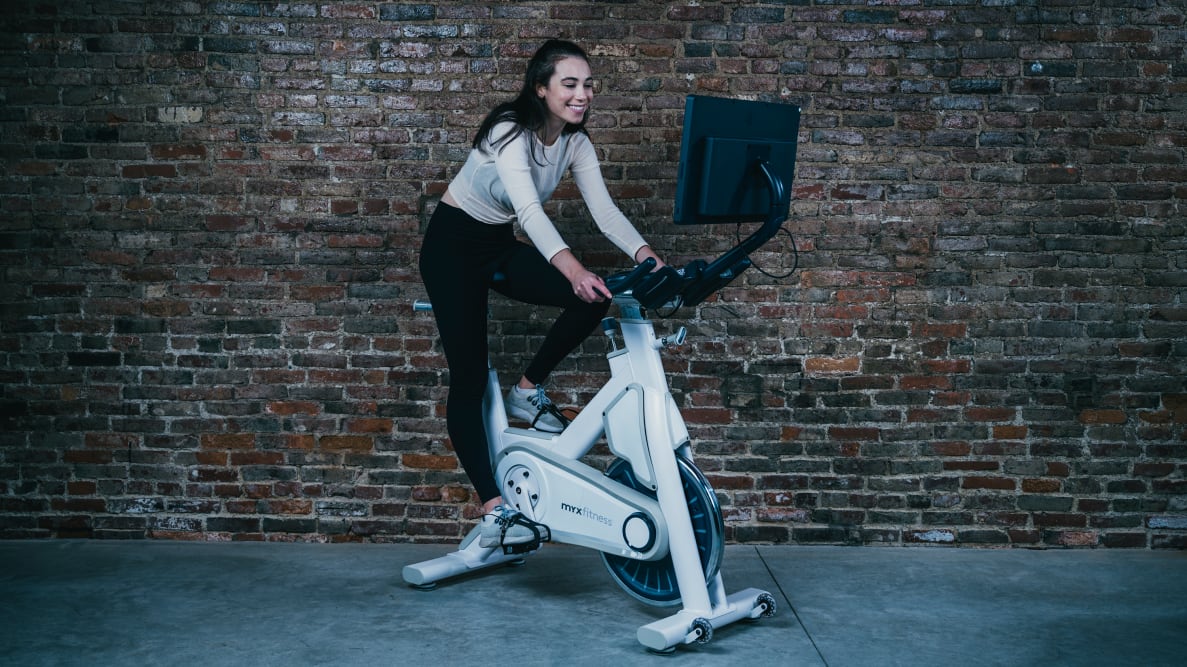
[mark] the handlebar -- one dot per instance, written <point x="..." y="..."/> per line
<point x="694" y="282"/>
<point x="699" y="279"/>
<point x="625" y="282"/>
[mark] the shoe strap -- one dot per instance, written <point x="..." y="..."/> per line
<point x="552" y="410"/>
<point x="540" y="532"/>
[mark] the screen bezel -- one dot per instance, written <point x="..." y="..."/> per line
<point x="719" y="186"/>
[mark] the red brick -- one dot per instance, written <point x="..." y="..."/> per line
<point x="1103" y="417"/>
<point x="731" y="482"/>
<point x="789" y="433"/>
<point x="289" y="507"/>
<point x="946" y="330"/>
<point x="1009" y="432"/>
<point x="179" y="151"/>
<point x="229" y="441"/>
<point x="294" y="408"/>
<point x="824" y="366"/>
<point x="1041" y="485"/>
<point x="990" y="414"/>
<point x="926" y="382"/>
<point x="354" y="443"/>
<point x="84" y="505"/>
<point x="374" y="425"/>
<point x="1074" y="538"/>
<point x="86" y="488"/>
<point x="429" y="461"/>
<point x="1153" y="469"/>
<point x="950" y="448"/>
<point x="1060" y="519"/>
<point x="149" y="171"/>
<point x="998" y="483"/>
<point x="87" y="456"/>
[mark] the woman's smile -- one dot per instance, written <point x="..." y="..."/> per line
<point x="567" y="95"/>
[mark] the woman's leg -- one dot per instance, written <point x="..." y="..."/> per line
<point x="530" y="278"/>
<point x="458" y="288"/>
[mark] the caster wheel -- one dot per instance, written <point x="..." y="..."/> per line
<point x="662" y="651"/>
<point x="766" y="605"/>
<point x="518" y="562"/>
<point x="702" y="631"/>
<point x="423" y="587"/>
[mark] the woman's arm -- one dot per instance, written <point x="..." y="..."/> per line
<point x="587" y="173"/>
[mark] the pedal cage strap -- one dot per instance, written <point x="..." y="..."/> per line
<point x="555" y="412"/>
<point x="540" y="532"/>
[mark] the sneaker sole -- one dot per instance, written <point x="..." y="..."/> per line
<point x="521" y="416"/>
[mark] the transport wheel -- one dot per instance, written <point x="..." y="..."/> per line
<point x="702" y="631"/>
<point x="654" y="582"/>
<point x="765" y="605"/>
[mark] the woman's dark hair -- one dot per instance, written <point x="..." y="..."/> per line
<point x="527" y="110"/>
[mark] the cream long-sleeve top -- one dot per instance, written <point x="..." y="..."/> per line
<point x="501" y="184"/>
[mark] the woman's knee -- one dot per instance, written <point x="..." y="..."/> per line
<point x="593" y="312"/>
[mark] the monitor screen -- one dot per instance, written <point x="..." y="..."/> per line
<point x="723" y="152"/>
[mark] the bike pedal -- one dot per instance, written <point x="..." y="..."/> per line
<point x="521" y="548"/>
<point x="541" y="535"/>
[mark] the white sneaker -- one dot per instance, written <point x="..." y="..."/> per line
<point x="534" y="407"/>
<point x="499" y="528"/>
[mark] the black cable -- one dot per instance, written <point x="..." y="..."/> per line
<point x="795" y="252"/>
<point x="675" y="306"/>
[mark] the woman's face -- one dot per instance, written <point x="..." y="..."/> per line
<point x="568" y="94"/>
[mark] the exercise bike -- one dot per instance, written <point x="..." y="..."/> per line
<point x="652" y="514"/>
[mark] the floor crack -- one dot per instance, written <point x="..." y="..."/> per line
<point x="787" y="601"/>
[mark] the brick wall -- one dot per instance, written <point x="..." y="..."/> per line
<point x="211" y="213"/>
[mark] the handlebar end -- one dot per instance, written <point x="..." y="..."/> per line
<point x="622" y="282"/>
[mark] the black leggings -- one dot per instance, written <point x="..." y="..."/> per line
<point x="458" y="261"/>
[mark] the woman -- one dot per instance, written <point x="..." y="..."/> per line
<point x="520" y="153"/>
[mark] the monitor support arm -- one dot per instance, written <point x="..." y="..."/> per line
<point x="723" y="270"/>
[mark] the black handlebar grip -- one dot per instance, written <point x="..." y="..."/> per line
<point x="622" y="282"/>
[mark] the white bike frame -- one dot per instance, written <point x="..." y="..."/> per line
<point x="542" y="475"/>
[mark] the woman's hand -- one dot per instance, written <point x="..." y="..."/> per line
<point x="587" y="285"/>
<point x="644" y="253"/>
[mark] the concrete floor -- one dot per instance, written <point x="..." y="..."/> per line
<point x="165" y="603"/>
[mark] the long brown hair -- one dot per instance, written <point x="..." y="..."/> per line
<point x="527" y="110"/>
